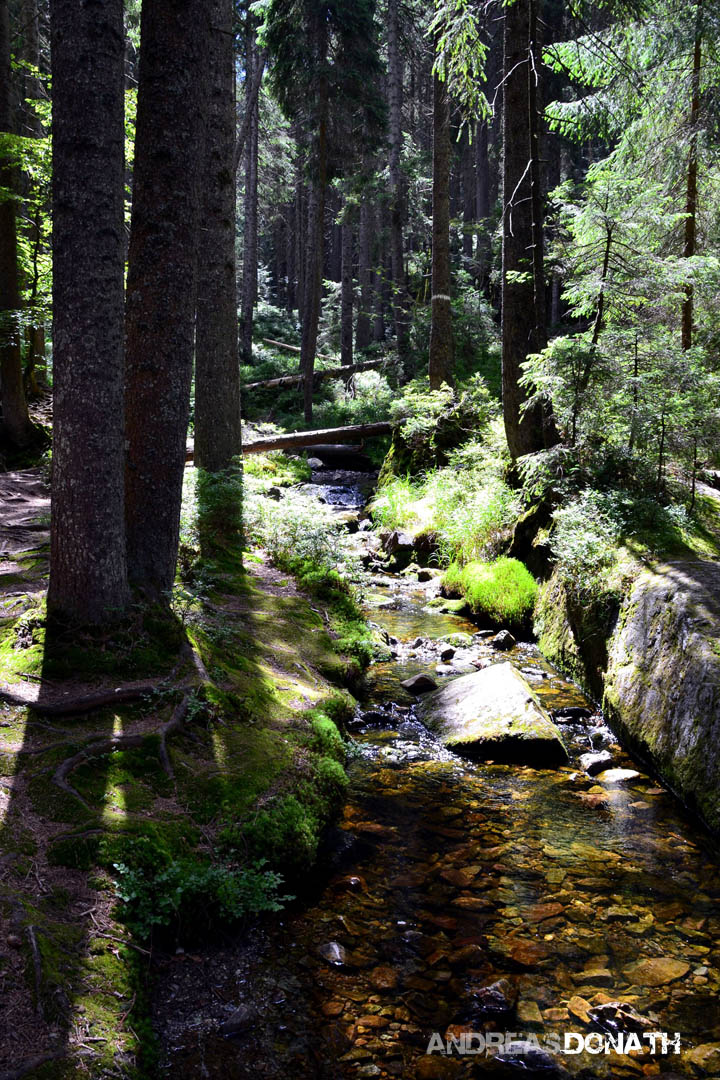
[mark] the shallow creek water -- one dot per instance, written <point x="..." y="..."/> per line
<point x="446" y="876"/>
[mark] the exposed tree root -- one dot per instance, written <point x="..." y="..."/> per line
<point x="127" y="742"/>
<point x="96" y="699"/>
<point x="101" y="698"/>
<point x="37" y="967"/>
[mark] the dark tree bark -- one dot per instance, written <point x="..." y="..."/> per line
<point x="363" y="325"/>
<point x="300" y="240"/>
<point x="290" y="258"/>
<point x="440" y="364"/>
<point x="217" y="375"/>
<point x="16" y="429"/>
<point x="346" y="295"/>
<point x="523" y="319"/>
<point x="88" y="572"/>
<point x="161" y="282"/>
<point x="250" y="244"/>
<point x="35" y="365"/>
<point x="482" y="203"/>
<point x="469" y="195"/>
<point x="397" y="187"/>
<point x="691" y="198"/>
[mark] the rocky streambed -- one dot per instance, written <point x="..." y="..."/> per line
<point x="468" y="896"/>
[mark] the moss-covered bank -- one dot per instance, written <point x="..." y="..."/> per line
<point x="154" y="847"/>
<point x="652" y="657"/>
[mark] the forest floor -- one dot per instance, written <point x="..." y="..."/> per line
<point x="234" y="723"/>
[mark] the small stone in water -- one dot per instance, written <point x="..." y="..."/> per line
<point x="595" y="763"/>
<point x="447" y="654"/>
<point x="503" y="641"/>
<point x="334" y="953"/>
<point x="579" y="1008"/>
<point x="618" y="776"/>
<point x="497" y="999"/>
<point x="529" y="1015"/>
<point x="238" y="1022"/>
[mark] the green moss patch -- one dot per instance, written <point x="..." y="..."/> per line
<point x="502" y="592"/>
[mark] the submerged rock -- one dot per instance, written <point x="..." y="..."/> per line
<point x="333" y="953"/>
<point x="656" y="971"/>
<point x="239" y="1021"/>
<point x="496" y="1000"/>
<point x="493" y="714"/>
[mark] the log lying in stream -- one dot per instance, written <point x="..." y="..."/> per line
<point x="328" y="373"/>
<point x="299" y="439"/>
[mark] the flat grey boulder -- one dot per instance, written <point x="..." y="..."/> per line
<point x="493" y="714"/>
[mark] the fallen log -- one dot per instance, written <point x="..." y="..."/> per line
<point x="328" y="373"/>
<point x="294" y="348"/>
<point x="300" y="439"/>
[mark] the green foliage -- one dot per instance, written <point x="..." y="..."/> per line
<point x="502" y="591"/>
<point x="433" y="423"/>
<point x="327" y="740"/>
<point x="460" y="53"/>
<point x="351" y="634"/>
<point x="287" y="831"/>
<point x="189" y="898"/>
<point x="466" y="506"/>
<point x="590" y="529"/>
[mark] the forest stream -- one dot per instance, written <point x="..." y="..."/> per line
<point x="465" y="897"/>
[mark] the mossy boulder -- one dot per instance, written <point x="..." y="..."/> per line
<point x="662" y="687"/>
<point x="493" y="714"/>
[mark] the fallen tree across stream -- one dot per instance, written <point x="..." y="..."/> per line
<point x="299" y="439"/>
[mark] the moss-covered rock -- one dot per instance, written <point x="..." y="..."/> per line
<point x="662" y="687"/>
<point x="494" y="714"/>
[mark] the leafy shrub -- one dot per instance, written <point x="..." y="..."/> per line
<point x="589" y="530"/>
<point x="503" y="591"/>
<point x="191" y="898"/>
<point x="296" y="527"/>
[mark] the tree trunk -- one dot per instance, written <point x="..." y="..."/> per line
<point x="539" y="335"/>
<point x="440" y="363"/>
<point x="35" y="367"/>
<point x="346" y="313"/>
<point x="363" y="326"/>
<point x="522" y="250"/>
<point x="16" y="430"/>
<point x="161" y="282"/>
<point x="300" y="238"/>
<point x="290" y="257"/>
<point x="482" y="204"/>
<point x="250" y="256"/>
<point x="88" y="570"/>
<point x="397" y="187"/>
<point x="217" y="375"/>
<point x="691" y="201"/>
<point x="469" y="194"/>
